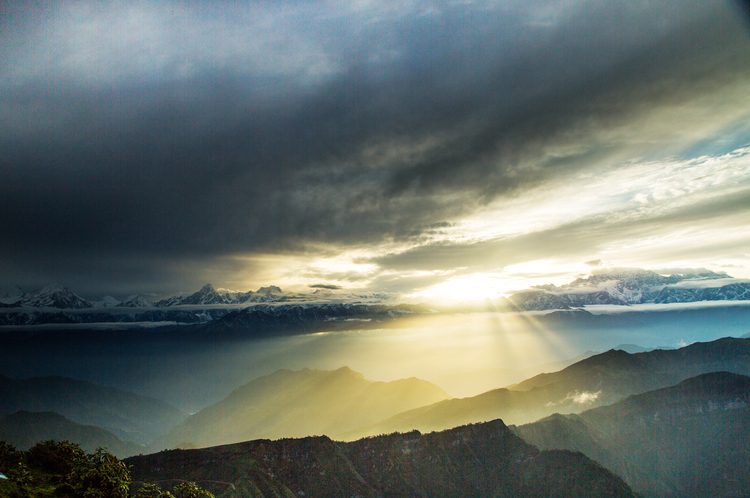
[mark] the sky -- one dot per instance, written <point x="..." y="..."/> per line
<point x="426" y="149"/>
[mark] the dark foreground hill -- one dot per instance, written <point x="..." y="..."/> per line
<point x="470" y="461"/>
<point x="129" y="416"/>
<point x="596" y="381"/>
<point x="300" y="403"/>
<point x="690" y="440"/>
<point x="24" y="429"/>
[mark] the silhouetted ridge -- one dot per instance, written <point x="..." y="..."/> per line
<point x="24" y="429"/>
<point x="596" y="381"/>
<point x="689" y="440"/>
<point x="296" y="404"/>
<point x="127" y="415"/>
<point x="482" y="460"/>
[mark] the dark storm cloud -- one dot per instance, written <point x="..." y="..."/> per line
<point x="173" y="135"/>
<point x="325" y="286"/>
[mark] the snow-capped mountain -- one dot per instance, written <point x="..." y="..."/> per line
<point x="106" y="302"/>
<point x="268" y="294"/>
<point x="10" y="295"/>
<point x="627" y="286"/>
<point x="54" y="296"/>
<point x="616" y="286"/>
<point x="207" y="295"/>
<point x="135" y="301"/>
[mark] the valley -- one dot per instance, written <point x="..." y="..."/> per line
<point x="372" y="393"/>
<point x="646" y="417"/>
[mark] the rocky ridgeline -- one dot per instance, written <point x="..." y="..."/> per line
<point x="476" y="460"/>
<point x="692" y="439"/>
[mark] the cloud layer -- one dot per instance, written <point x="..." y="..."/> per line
<point x="153" y="146"/>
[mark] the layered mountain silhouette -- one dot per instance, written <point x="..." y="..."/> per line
<point x="483" y="460"/>
<point x="301" y="403"/>
<point x="596" y="381"/>
<point x="690" y="440"/>
<point x="129" y="416"/>
<point x="24" y="429"/>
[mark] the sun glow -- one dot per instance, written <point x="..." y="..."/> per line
<point x="493" y="285"/>
<point x="468" y="288"/>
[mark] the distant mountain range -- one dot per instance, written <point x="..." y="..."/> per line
<point x="627" y="286"/>
<point x="57" y="296"/>
<point x="692" y="439"/>
<point x="24" y="429"/>
<point x="596" y="381"/>
<point x="297" y="404"/>
<point x="672" y="423"/>
<point x="483" y="460"/>
<point x="617" y="286"/>
<point x="129" y="416"/>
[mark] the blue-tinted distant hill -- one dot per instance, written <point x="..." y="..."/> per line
<point x="596" y="381"/>
<point x="300" y="403"/>
<point x="690" y="440"/>
<point x="129" y="416"/>
<point x="24" y="429"/>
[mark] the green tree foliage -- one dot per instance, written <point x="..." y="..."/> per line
<point x="62" y="469"/>
<point x="21" y="474"/>
<point x="55" y="457"/>
<point x="191" y="490"/>
<point x="149" y="490"/>
<point x="19" y="483"/>
<point x="9" y="456"/>
<point x="100" y="475"/>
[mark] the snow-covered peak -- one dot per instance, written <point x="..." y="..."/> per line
<point x="630" y="278"/>
<point x="106" y="302"/>
<point x="206" y="295"/>
<point x="693" y="273"/>
<point x="51" y="289"/>
<point x="55" y="296"/>
<point x="10" y="295"/>
<point x="135" y="301"/>
<point x="627" y="286"/>
<point x="271" y="289"/>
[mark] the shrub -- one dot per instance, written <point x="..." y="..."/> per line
<point x="100" y="475"/>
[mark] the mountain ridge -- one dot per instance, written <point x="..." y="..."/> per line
<point x="480" y="460"/>
<point x="127" y="415"/>
<point x="23" y="429"/>
<point x="300" y="403"/>
<point x="690" y="439"/>
<point x="595" y="381"/>
<point x="611" y="286"/>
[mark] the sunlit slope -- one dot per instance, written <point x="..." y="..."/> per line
<point x="24" y="429"/>
<point x="599" y="380"/>
<point x="128" y="415"/>
<point x="482" y="460"/>
<point x="475" y="382"/>
<point x="301" y="403"/>
<point x="692" y="439"/>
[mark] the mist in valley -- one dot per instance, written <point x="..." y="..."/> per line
<point x="465" y="354"/>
